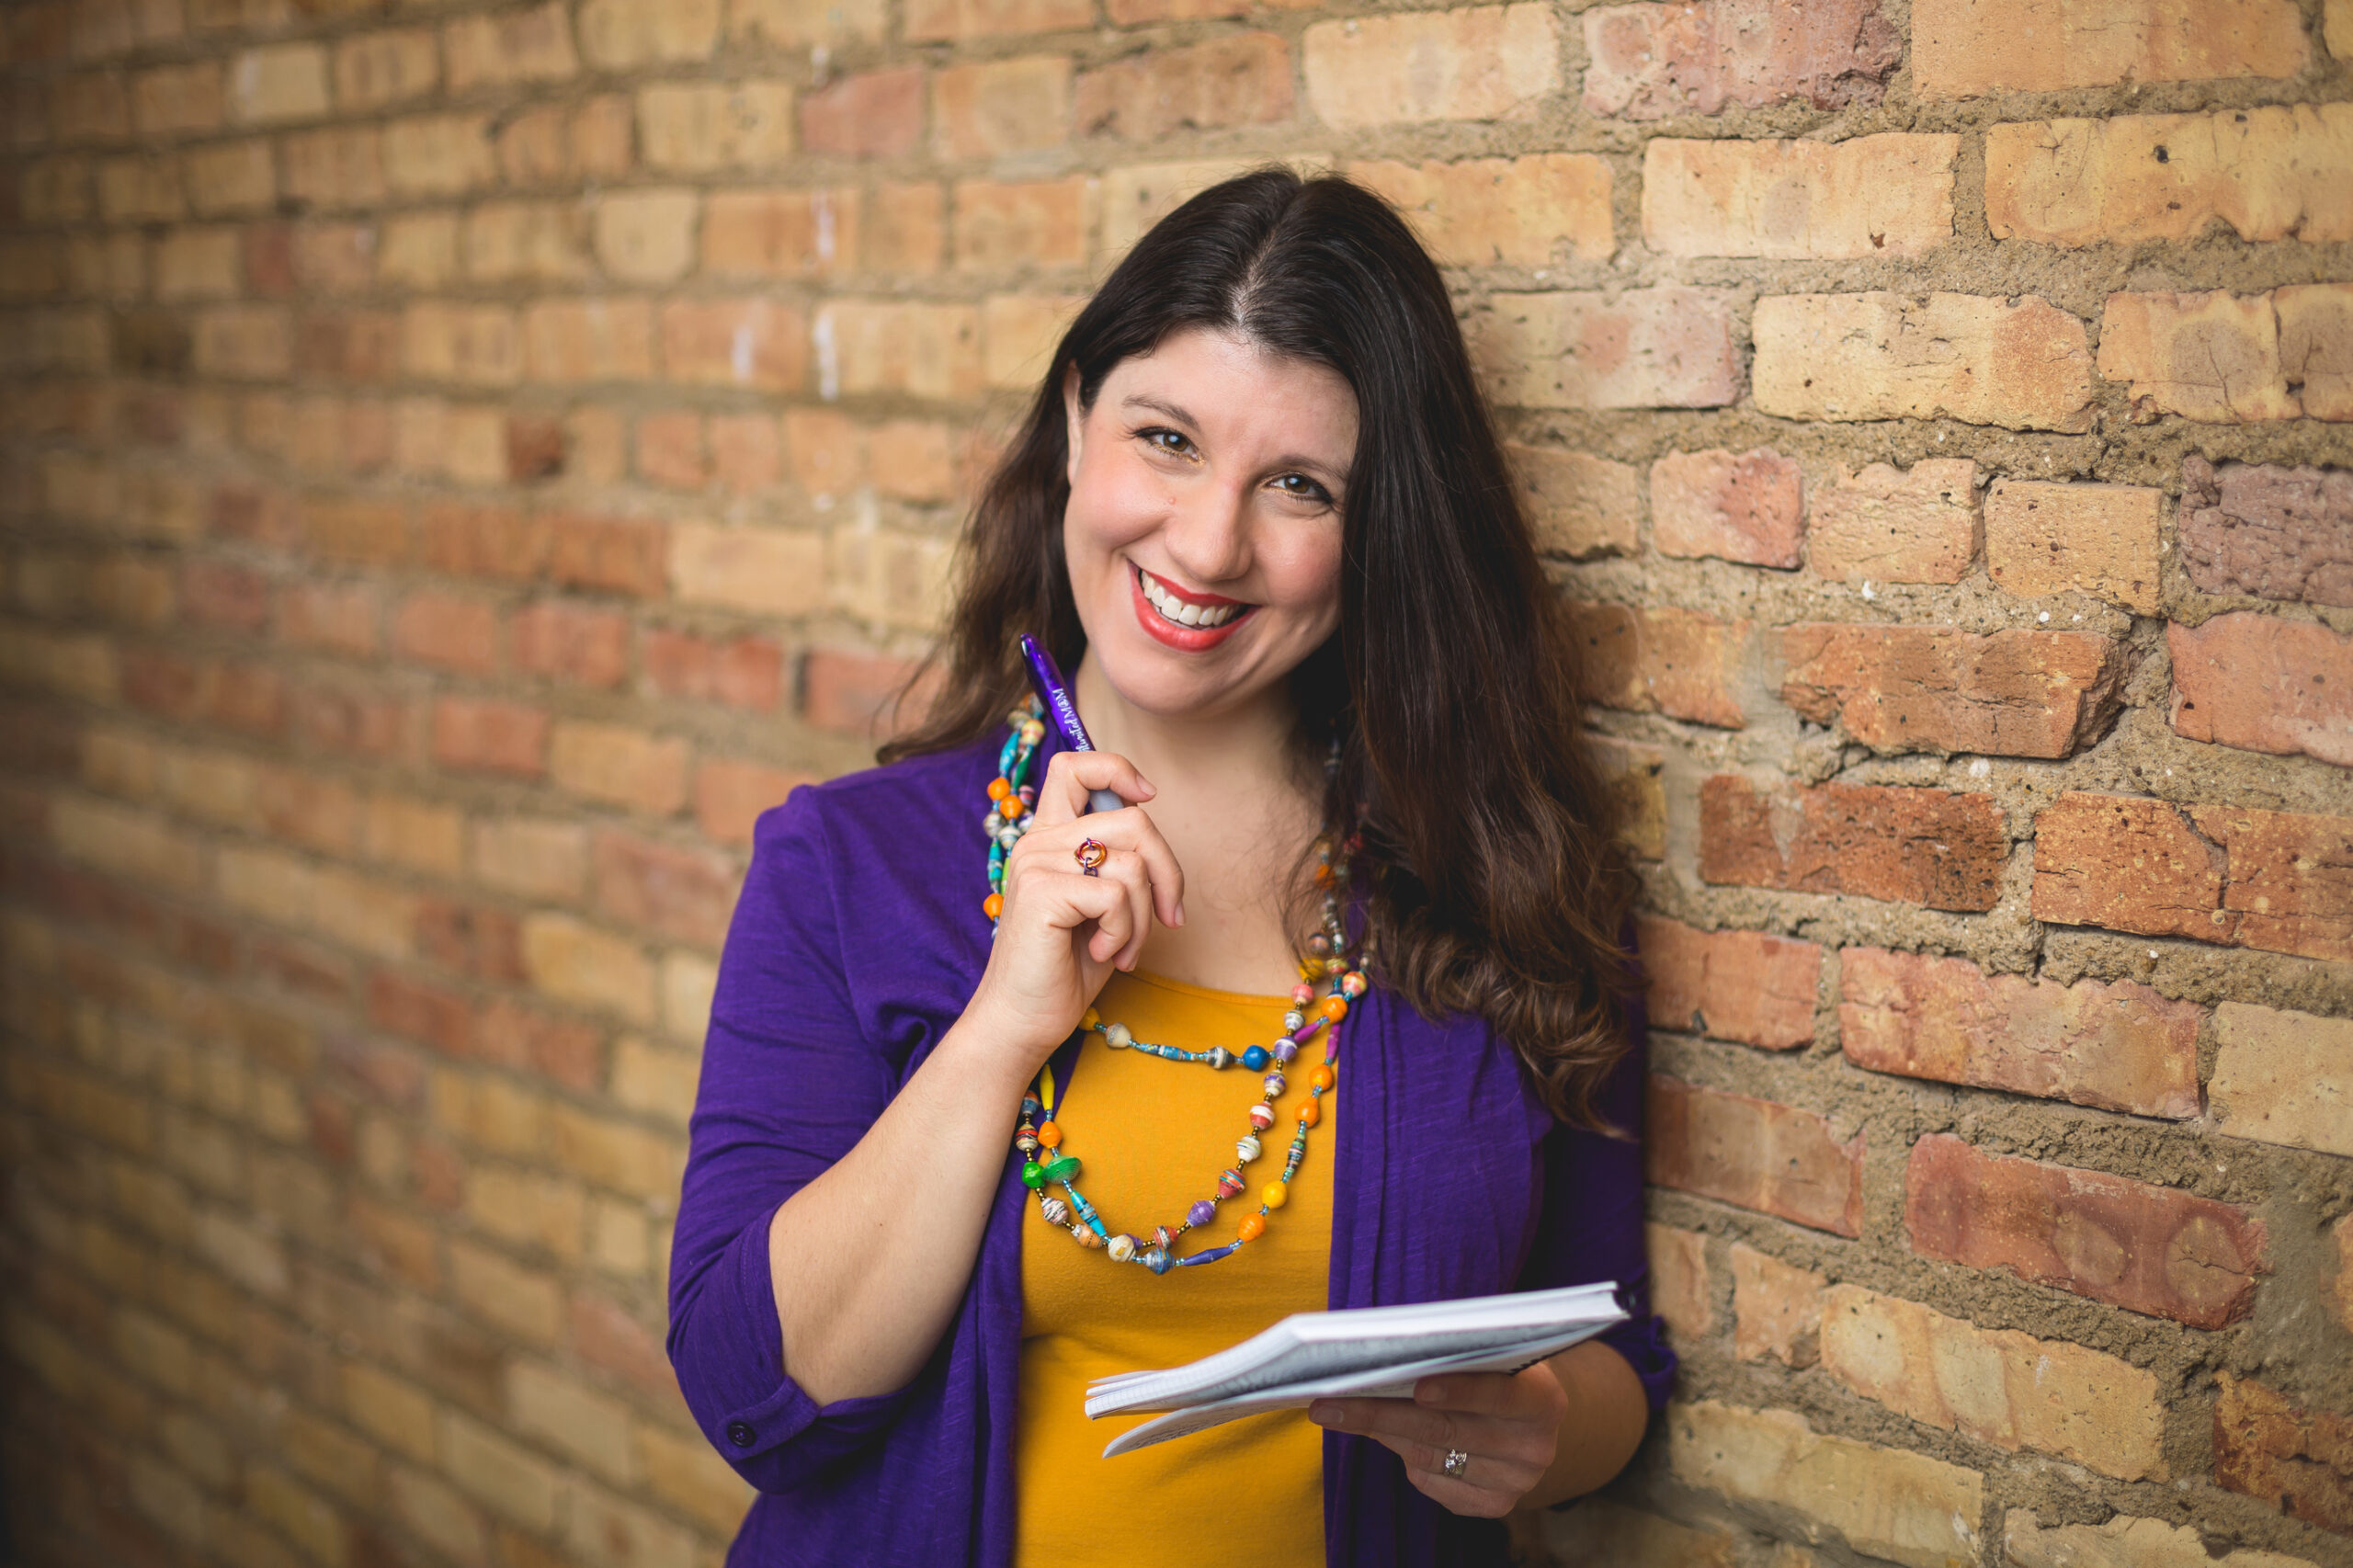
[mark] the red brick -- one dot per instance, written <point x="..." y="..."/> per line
<point x="619" y="555"/>
<point x="730" y="796"/>
<point x="499" y="737"/>
<point x="589" y="340"/>
<point x="223" y="597"/>
<point x="512" y="1035"/>
<point x="482" y="542"/>
<point x="780" y="234"/>
<point x="350" y="720"/>
<point x="1910" y="845"/>
<point x="853" y="692"/>
<point x="2120" y="1047"/>
<point x="746" y="454"/>
<point x="449" y="631"/>
<point x="471" y="938"/>
<point x="2297" y="1460"/>
<point x="1680" y="1287"/>
<point x="1740" y="985"/>
<point x="1676" y="662"/>
<point x="416" y="1010"/>
<point x="934" y="21"/>
<point x="1964" y="48"/>
<point x="1773" y="1158"/>
<point x="1906" y="688"/>
<point x="608" y="1338"/>
<point x="1749" y="507"/>
<point x="568" y="641"/>
<point x="2279" y="533"/>
<point x="743" y="672"/>
<point x="348" y="346"/>
<point x="687" y="894"/>
<point x="1919" y="525"/>
<point x="985" y="108"/>
<point x="2131" y="1244"/>
<point x="2260" y="683"/>
<point x="1480" y="62"/>
<point x="341" y="618"/>
<point x="670" y="449"/>
<point x="1241" y="79"/>
<point x="745" y="343"/>
<point x="1665" y="348"/>
<point x="535" y="447"/>
<point x="878" y="114"/>
<point x="2279" y="880"/>
<point x="1654" y="61"/>
<point x="1003" y="225"/>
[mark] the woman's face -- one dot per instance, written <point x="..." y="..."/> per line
<point x="1203" y="530"/>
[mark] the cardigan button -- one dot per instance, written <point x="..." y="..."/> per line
<point x="740" y="1433"/>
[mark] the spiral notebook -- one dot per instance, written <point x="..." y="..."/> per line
<point x="1365" y="1352"/>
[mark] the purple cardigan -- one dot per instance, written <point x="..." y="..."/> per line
<point x="856" y="943"/>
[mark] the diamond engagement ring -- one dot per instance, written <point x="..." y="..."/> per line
<point x="1457" y="1462"/>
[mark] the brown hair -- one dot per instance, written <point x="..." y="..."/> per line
<point x="1493" y="880"/>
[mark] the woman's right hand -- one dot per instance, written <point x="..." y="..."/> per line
<point x="1061" y="932"/>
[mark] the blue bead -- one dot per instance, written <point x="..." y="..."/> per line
<point x="1157" y="1260"/>
<point x="1254" y="1058"/>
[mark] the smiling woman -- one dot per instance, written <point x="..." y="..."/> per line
<point x="1258" y="505"/>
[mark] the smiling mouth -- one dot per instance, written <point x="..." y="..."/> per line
<point x="1178" y="610"/>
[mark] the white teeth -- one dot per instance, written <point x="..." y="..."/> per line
<point x="1183" y="613"/>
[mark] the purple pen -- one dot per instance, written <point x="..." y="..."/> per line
<point x="1054" y="693"/>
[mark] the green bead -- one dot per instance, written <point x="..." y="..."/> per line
<point x="1033" y="1175"/>
<point x="1062" y="1168"/>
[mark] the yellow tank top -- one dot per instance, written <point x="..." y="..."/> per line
<point x="1152" y="1136"/>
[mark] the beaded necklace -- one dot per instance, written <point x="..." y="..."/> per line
<point x="1039" y="1139"/>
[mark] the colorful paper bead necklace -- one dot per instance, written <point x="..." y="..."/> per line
<point x="1039" y="1141"/>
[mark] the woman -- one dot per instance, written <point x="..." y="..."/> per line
<point x="1258" y="501"/>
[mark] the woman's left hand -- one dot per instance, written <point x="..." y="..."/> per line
<point x="1509" y="1422"/>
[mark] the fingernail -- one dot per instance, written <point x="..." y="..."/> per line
<point x="1324" y="1413"/>
<point x="1180" y="912"/>
<point x="1430" y="1393"/>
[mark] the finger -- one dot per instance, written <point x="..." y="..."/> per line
<point x="1131" y="830"/>
<point x="1528" y="1394"/>
<point x="1461" y="1497"/>
<point x="1481" y="1472"/>
<point x="1072" y="776"/>
<point x="1121" y="924"/>
<point x="1064" y="899"/>
<point x="1128" y="869"/>
<point x="1394" y="1421"/>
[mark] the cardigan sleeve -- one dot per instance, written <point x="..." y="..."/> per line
<point x="789" y="1084"/>
<point x="1592" y="1228"/>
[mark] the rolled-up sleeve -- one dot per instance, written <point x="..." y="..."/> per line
<point x="789" y="1084"/>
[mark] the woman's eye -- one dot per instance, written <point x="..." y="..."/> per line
<point x="1301" y="487"/>
<point x="1174" y="442"/>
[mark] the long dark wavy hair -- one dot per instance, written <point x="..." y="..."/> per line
<point x="1493" y="880"/>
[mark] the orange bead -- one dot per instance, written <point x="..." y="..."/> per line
<point x="1000" y="787"/>
<point x="1051" y="1136"/>
<point x="1335" y="1007"/>
<point x="1252" y="1227"/>
<point x="1322" y="1077"/>
<point x="1311" y="1113"/>
<point x="1012" y="808"/>
<point x="993" y="905"/>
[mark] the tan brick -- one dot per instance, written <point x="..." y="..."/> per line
<point x="280" y="83"/>
<point x="589" y="340"/>
<point x="1665" y="348"/>
<point x="2131" y="1243"/>
<point x="1936" y="848"/>
<point x="2120" y="1046"/>
<point x="321" y="902"/>
<point x="131" y="844"/>
<point x="598" y="1527"/>
<point x="1137" y="197"/>
<point x="394" y="1413"/>
<point x="646" y="236"/>
<point x="2093" y="538"/>
<point x="1634" y="775"/>
<point x="418" y="252"/>
<point x="933" y="21"/>
<point x="375" y="70"/>
<point x="771" y="571"/>
<point x="730" y="796"/>
<point x="1503" y="211"/>
<point x="888" y="577"/>
<point x="779" y="234"/>
<point x="405" y="831"/>
<point x="141" y="189"/>
<point x="1027" y="224"/>
<point x="869" y="114"/>
<point x="2260" y="683"/>
<point x="617" y="1154"/>
<point x="745" y="343"/>
<point x="1905" y="688"/>
<point x="917" y="348"/>
<point x="797" y="24"/>
<point x="524" y="1302"/>
<point x="2282" y="1078"/>
<point x="1483" y="63"/>
<point x="2337" y="25"/>
<point x="533" y="242"/>
<point x="2300" y="1461"/>
<point x="170" y="99"/>
<point x="2279" y="880"/>
<point x="2316" y="346"/>
<point x="982" y="109"/>
<point x="1964" y="48"/>
<point x="688" y="1474"/>
<point x="471" y="345"/>
<point x="1885" y="194"/>
<point x="576" y="963"/>
<point x="232" y="178"/>
<point x="2122" y="1542"/>
<point x="1650" y="62"/>
<point x="565" y="144"/>
<point x="509" y="47"/>
<point x="1773" y="1158"/>
<point x="590" y="1427"/>
<point x="1999" y="1386"/>
<point x="1748" y="507"/>
<point x="692" y="128"/>
<point x="1239" y="79"/>
<point x="1680" y="1289"/>
<point x="1579" y="506"/>
<point x="621" y="35"/>
<point x="244" y="343"/>
<point x="2212" y="356"/>
<point x="302" y="1515"/>
<point x="504" y="1476"/>
<point x="1676" y="662"/>
<point x="2342" y="1233"/>
<point x="1019" y="334"/>
<point x="2022" y="364"/>
<point x="199" y="264"/>
<point x="2271" y="173"/>
<point x="619" y="766"/>
<point x="535" y="859"/>
<point x="1777" y="1309"/>
<point x="1741" y="985"/>
<point x="442" y="154"/>
<point x="1916" y="525"/>
<point x="1598" y="1531"/>
<point x="1887" y="1503"/>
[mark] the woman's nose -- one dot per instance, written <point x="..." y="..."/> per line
<point x="1208" y="535"/>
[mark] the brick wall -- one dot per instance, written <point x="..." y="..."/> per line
<point x="459" y="462"/>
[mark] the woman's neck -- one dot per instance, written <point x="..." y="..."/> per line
<point x="1247" y="751"/>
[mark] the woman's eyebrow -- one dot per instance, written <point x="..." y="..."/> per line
<point x="1171" y="411"/>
